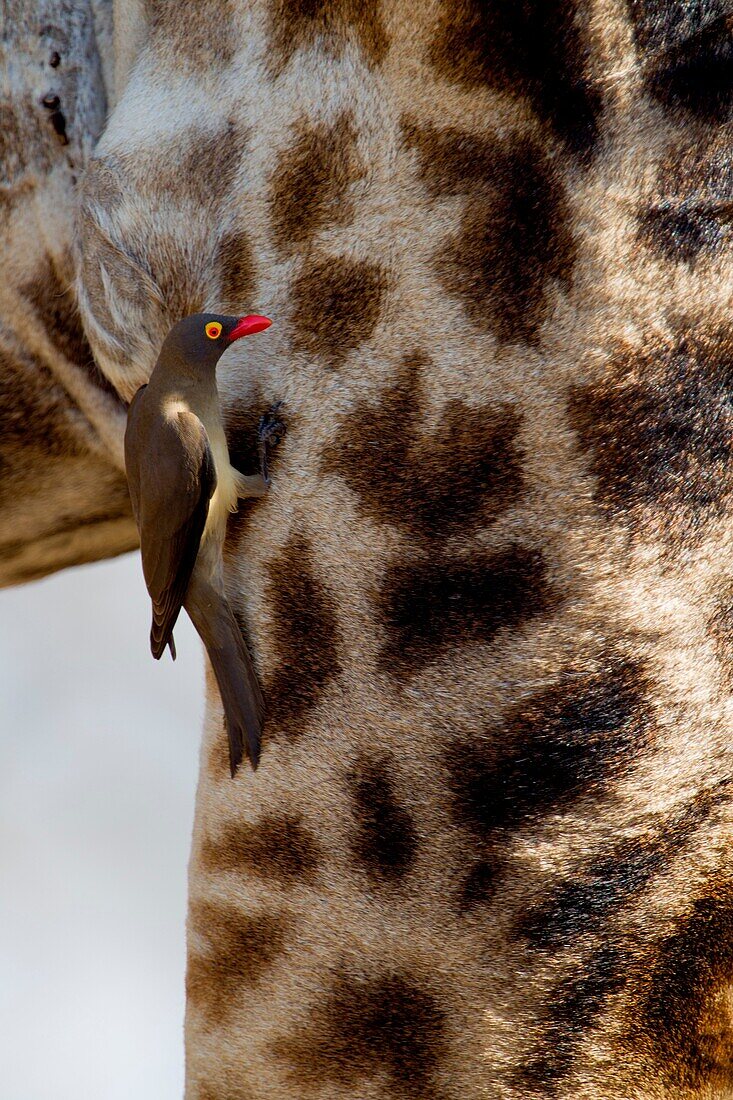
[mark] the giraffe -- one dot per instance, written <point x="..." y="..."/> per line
<point x="486" y="853"/>
<point x="64" y="496"/>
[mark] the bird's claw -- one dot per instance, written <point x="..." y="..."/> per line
<point x="269" y="433"/>
<point x="270" y="429"/>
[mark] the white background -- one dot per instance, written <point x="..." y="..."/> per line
<point x="99" y="752"/>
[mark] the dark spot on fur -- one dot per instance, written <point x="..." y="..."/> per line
<point x="679" y="232"/>
<point x="24" y="146"/>
<point x="236" y="263"/>
<point x="479" y="886"/>
<point x="514" y="231"/>
<point x="35" y="410"/>
<point x="198" y="170"/>
<point x="574" y="1005"/>
<point x="693" y="214"/>
<point x="691" y="56"/>
<point x="720" y="628"/>
<point x="661" y="25"/>
<point x="53" y="300"/>
<point x="686" y="1012"/>
<point x="659" y="430"/>
<point x="336" y="306"/>
<point x="304" y="632"/>
<point x="206" y="44"/>
<point x="274" y="847"/>
<point x="527" y="47"/>
<point x="433" y="605"/>
<point x="561" y="745"/>
<point x="378" y="1027"/>
<point x="583" y="904"/>
<point x="238" y="950"/>
<point x="460" y="477"/>
<point x="385" y="841"/>
<point x="310" y="185"/>
<point x="297" y="25"/>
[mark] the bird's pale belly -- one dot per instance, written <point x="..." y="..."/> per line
<point x="225" y="496"/>
<point x="224" y="499"/>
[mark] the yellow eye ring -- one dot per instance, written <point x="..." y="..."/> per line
<point x="213" y="330"/>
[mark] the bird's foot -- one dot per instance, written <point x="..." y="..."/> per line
<point x="269" y="433"/>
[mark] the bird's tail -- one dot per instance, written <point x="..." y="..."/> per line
<point x="238" y="686"/>
<point x="158" y="642"/>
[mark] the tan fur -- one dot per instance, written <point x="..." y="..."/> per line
<point x="487" y="851"/>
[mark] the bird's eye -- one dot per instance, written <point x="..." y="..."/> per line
<point x="213" y="330"/>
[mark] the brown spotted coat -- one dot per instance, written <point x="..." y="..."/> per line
<point x="488" y="849"/>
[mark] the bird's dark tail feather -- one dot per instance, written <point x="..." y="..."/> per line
<point x="238" y="686"/>
<point x="158" y="643"/>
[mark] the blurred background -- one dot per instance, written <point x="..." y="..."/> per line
<point x="98" y="764"/>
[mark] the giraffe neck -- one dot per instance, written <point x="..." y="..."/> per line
<point x="487" y="592"/>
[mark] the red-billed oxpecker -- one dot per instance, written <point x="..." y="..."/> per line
<point x="183" y="487"/>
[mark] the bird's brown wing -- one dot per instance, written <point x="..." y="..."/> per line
<point x="172" y="478"/>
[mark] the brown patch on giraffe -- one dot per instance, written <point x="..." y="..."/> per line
<point x="207" y="43"/>
<point x="690" y="56"/>
<point x="514" y="233"/>
<point x="54" y="303"/>
<point x="236" y="263"/>
<point x="297" y="25"/>
<point x="34" y="408"/>
<point x="199" y="168"/>
<point x="686" y="1014"/>
<point x="310" y="184"/>
<point x="658" y="430"/>
<point x="304" y="633"/>
<point x="564" y="744"/>
<point x="720" y="629"/>
<point x="691" y="213"/>
<point x="573" y="1008"/>
<point x="479" y="886"/>
<point x="459" y="478"/>
<point x="275" y="847"/>
<point x="534" y="49"/>
<point x="385" y="840"/>
<point x="432" y="606"/>
<point x="385" y="1027"/>
<point x="240" y="949"/>
<point x="660" y="25"/>
<point x="23" y="144"/>
<point x="336" y="305"/>
<point x="582" y="904"/>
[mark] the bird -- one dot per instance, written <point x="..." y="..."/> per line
<point x="183" y="487"/>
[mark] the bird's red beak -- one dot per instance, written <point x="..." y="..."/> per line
<point x="245" y="326"/>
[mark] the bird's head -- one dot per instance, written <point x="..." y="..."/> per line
<point x="201" y="339"/>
